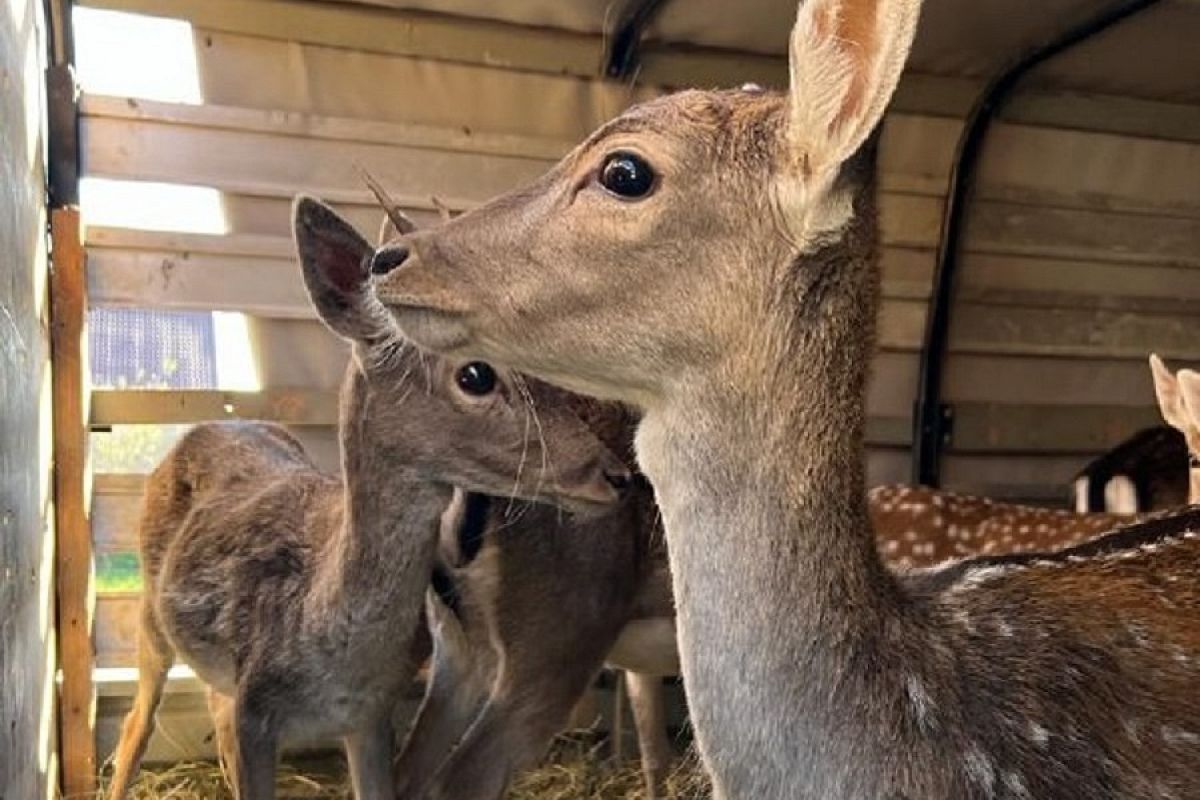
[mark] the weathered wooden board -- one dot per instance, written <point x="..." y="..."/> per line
<point x="141" y="407"/>
<point x="143" y="271"/>
<point x="565" y="56"/>
<point x="29" y="761"/>
<point x="68" y="293"/>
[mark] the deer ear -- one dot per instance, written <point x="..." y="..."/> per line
<point x="335" y="261"/>
<point x="1170" y="398"/>
<point x="1189" y="389"/>
<point x="846" y="57"/>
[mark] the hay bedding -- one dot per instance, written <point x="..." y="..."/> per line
<point x="574" y="770"/>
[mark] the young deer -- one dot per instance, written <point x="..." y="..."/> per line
<point x="1179" y="401"/>
<point x="1145" y="472"/>
<point x="711" y="258"/>
<point x="916" y="526"/>
<point x="523" y="617"/>
<point x="295" y="595"/>
<point x="547" y="599"/>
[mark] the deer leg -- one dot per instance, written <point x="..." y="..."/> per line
<point x="155" y="656"/>
<point x="458" y="688"/>
<point x="649" y="718"/>
<point x="221" y="709"/>
<point x="369" y="751"/>
<point x="256" y="745"/>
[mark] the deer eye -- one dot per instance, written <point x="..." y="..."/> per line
<point x="476" y="378"/>
<point x="627" y="175"/>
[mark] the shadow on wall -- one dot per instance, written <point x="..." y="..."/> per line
<point x="28" y="759"/>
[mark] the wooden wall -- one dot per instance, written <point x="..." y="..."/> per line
<point x="28" y="761"/>
<point x="1081" y="249"/>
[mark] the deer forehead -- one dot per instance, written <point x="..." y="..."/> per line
<point x="741" y="129"/>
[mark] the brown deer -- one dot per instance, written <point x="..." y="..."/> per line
<point x="547" y="600"/>
<point x="711" y="259"/>
<point x="916" y="526"/>
<point x="1146" y="472"/>
<point x="296" y="595"/>
<point x="1179" y="401"/>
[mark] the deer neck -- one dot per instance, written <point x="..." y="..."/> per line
<point x="758" y="470"/>
<point x="380" y="555"/>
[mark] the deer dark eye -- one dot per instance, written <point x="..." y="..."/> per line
<point x="627" y="175"/>
<point x="476" y="378"/>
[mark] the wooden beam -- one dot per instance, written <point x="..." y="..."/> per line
<point x="154" y="407"/>
<point x="343" y="129"/>
<point x="506" y="46"/>
<point x="68" y="292"/>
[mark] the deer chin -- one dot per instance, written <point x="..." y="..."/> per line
<point x="588" y="500"/>
<point x="439" y="330"/>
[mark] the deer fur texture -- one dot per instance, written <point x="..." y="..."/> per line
<point x="545" y="609"/>
<point x="295" y="595"/>
<point x="733" y="300"/>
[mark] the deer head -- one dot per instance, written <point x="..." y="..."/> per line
<point x="1179" y="401"/>
<point x="511" y="435"/>
<point x="626" y="267"/>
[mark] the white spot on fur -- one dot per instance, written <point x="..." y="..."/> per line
<point x="920" y="701"/>
<point x="1175" y="735"/>
<point x="980" y="769"/>
<point x="1038" y="734"/>
<point x="1016" y="784"/>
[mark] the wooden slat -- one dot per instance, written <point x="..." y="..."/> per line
<point x="141" y="407"/>
<point x="1080" y="234"/>
<point x="314" y="126"/>
<point x="68" y="291"/>
<point x="253" y="162"/>
<point x="394" y="33"/>
<point x="139" y="268"/>
<point x="256" y="159"/>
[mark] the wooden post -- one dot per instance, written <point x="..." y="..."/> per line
<point x="68" y="308"/>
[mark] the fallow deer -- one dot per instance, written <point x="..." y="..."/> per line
<point x="295" y="595"/>
<point x="1179" y="401"/>
<point x="1146" y="472"/>
<point x="546" y="600"/>
<point x="711" y="259"/>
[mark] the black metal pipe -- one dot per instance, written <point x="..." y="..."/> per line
<point x="621" y="57"/>
<point x="62" y="107"/>
<point x="932" y="420"/>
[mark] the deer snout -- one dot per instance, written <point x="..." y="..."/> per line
<point x="597" y="486"/>
<point x="388" y="257"/>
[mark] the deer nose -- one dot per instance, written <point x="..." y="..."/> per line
<point x="620" y="479"/>
<point x="387" y="258"/>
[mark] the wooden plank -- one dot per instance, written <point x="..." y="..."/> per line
<point x="251" y="162"/>
<point x="212" y="274"/>
<point x="74" y="563"/>
<point x="141" y="407"/>
<point x="1081" y="169"/>
<point x="996" y="227"/>
<point x="116" y="507"/>
<point x="259" y="160"/>
<point x="386" y="34"/>
<point x="117" y="619"/>
<point x="344" y="129"/>
<point x="266" y="287"/>
<point x="387" y="31"/>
